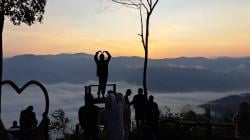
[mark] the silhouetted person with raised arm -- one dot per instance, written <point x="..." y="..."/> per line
<point x="242" y="122"/>
<point x="139" y="103"/>
<point x="28" y="118"/>
<point x="152" y="114"/>
<point x="102" y="71"/>
<point x="88" y="118"/>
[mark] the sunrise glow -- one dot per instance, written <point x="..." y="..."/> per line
<point x="208" y="28"/>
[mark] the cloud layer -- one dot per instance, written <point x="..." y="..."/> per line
<point x="70" y="97"/>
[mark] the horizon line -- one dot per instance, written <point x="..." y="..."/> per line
<point x="119" y="56"/>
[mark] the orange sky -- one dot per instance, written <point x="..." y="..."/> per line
<point x="208" y="28"/>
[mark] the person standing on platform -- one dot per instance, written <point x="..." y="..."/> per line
<point x="102" y="71"/>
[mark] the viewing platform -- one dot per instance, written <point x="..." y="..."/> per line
<point x="88" y="89"/>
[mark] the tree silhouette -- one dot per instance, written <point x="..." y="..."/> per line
<point x="18" y="11"/>
<point x="59" y="123"/>
<point x="146" y="8"/>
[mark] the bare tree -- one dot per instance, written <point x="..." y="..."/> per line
<point x="146" y="8"/>
<point x="18" y="11"/>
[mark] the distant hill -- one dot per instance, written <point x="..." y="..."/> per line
<point x="164" y="75"/>
<point x="227" y="104"/>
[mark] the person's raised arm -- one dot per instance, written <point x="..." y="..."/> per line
<point x="96" y="56"/>
<point x="108" y="54"/>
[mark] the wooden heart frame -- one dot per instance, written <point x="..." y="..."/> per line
<point x="38" y="132"/>
<point x="29" y="83"/>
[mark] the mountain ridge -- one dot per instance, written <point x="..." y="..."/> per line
<point x="181" y="57"/>
<point x="228" y="104"/>
<point x="164" y="75"/>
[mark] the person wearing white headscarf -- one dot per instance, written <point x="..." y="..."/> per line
<point x="122" y="108"/>
<point x="112" y="117"/>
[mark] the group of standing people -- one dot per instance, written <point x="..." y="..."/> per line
<point x="116" y="115"/>
<point x="146" y="110"/>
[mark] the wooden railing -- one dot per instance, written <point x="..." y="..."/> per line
<point x="88" y="88"/>
<point x="210" y="130"/>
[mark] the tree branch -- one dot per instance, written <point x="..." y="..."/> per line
<point x="130" y="3"/>
<point x="149" y="3"/>
<point x="142" y="30"/>
<point x="144" y="5"/>
<point x="154" y="5"/>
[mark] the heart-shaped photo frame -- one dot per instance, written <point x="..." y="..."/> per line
<point x="26" y="85"/>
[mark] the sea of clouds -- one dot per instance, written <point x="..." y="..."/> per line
<point x="70" y="97"/>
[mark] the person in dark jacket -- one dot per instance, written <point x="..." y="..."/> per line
<point x="139" y="103"/>
<point x="88" y="118"/>
<point x="28" y="118"/>
<point x="152" y="114"/>
<point x="102" y="71"/>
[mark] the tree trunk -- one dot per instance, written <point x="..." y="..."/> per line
<point x="1" y="55"/>
<point x="145" y="72"/>
<point x="146" y="57"/>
